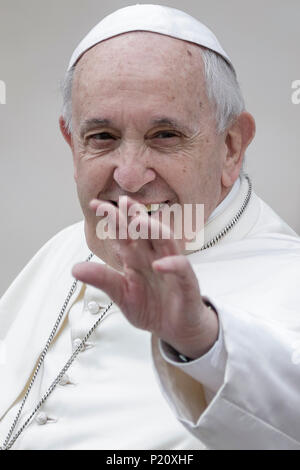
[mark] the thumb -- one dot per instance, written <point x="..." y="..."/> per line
<point x="103" y="277"/>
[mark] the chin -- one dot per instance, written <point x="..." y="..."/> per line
<point x="107" y="250"/>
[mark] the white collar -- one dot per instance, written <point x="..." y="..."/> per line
<point x="226" y="211"/>
<point x="225" y="203"/>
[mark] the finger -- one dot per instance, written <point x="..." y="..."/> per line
<point x="102" y="277"/>
<point x="164" y="244"/>
<point x="180" y="267"/>
<point x="114" y="218"/>
<point x="94" y="203"/>
<point x="119" y="216"/>
<point x="138" y="253"/>
<point x="130" y="208"/>
<point x="159" y="235"/>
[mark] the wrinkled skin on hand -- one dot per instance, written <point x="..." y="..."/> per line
<point x="157" y="289"/>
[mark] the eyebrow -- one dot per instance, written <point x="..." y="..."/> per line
<point x="92" y="124"/>
<point x="165" y="121"/>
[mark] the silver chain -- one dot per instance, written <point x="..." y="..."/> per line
<point x="10" y="440"/>
<point x="232" y="222"/>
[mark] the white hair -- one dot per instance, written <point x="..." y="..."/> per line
<point x="222" y="89"/>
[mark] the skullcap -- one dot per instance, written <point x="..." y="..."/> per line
<point x="153" y="18"/>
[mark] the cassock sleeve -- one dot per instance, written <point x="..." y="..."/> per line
<point x="208" y="369"/>
<point x="256" y="403"/>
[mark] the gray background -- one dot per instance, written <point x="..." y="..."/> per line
<point x="37" y="37"/>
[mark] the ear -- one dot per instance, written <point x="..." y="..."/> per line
<point x="68" y="138"/>
<point x="237" y="139"/>
<point x="66" y="135"/>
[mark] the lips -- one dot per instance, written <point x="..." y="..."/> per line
<point x="151" y="207"/>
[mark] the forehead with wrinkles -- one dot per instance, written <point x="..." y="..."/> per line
<point x="142" y="62"/>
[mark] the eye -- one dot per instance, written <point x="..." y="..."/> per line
<point x="165" y="135"/>
<point x="102" y="136"/>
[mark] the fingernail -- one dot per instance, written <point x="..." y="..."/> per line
<point x="94" y="203"/>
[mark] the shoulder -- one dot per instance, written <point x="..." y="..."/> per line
<point x="63" y="250"/>
<point x="73" y="232"/>
<point x="67" y="244"/>
<point x="50" y="266"/>
<point x="269" y="222"/>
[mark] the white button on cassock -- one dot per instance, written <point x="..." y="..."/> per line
<point x="64" y="380"/>
<point x="77" y="342"/>
<point x="41" y="418"/>
<point x="93" y="307"/>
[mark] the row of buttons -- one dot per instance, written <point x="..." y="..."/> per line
<point x="41" y="418"/>
<point x="94" y="308"/>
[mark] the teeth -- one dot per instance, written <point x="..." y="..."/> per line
<point x="154" y="207"/>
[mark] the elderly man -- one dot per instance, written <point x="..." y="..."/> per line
<point x="153" y="111"/>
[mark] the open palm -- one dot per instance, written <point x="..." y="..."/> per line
<point x="157" y="290"/>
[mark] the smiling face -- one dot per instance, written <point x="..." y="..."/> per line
<point x="143" y="127"/>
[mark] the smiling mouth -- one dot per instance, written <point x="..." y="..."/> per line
<point x="151" y="208"/>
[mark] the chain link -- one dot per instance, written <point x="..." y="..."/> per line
<point x="8" y="445"/>
<point x="8" y="441"/>
<point x="232" y="222"/>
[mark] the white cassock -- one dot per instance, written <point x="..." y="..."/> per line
<point x="242" y="394"/>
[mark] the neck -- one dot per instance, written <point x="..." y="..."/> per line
<point x="225" y="200"/>
<point x="222" y="222"/>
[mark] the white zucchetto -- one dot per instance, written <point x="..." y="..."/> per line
<point x="152" y="18"/>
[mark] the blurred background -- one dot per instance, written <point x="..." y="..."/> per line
<point x="37" y="38"/>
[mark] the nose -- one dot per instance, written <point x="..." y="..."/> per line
<point x="132" y="174"/>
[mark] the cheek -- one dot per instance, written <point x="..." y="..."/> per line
<point x="92" y="177"/>
<point x="200" y="174"/>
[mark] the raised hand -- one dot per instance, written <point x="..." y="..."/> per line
<point x="157" y="289"/>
